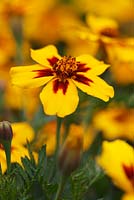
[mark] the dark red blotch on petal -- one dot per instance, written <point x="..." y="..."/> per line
<point x="57" y="84"/>
<point x="82" y="79"/>
<point x="129" y="171"/>
<point x="43" y="73"/>
<point x="82" y="67"/>
<point x="52" y="60"/>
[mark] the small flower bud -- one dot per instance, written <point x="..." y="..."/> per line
<point x="6" y="132"/>
<point x="70" y="153"/>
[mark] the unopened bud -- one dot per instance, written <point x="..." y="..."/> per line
<point x="70" y="154"/>
<point x="6" y="132"/>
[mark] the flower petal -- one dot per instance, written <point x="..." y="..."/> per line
<point x="97" y="88"/>
<point x="115" y="155"/>
<point x="28" y="76"/>
<point x="96" y="67"/>
<point x="42" y="55"/>
<point x="58" y="103"/>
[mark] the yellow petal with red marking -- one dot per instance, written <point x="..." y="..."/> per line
<point x="29" y="76"/>
<point x="59" y="101"/>
<point x="42" y="55"/>
<point x="96" y="67"/>
<point x="117" y="159"/>
<point x="97" y="88"/>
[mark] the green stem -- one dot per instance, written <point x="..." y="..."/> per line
<point x="59" y="122"/>
<point x="60" y="187"/>
<point x="7" y="147"/>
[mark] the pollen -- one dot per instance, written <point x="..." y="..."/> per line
<point x="65" y="67"/>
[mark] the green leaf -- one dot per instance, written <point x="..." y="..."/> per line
<point x="83" y="179"/>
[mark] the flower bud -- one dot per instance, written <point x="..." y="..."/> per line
<point x="70" y="153"/>
<point x="6" y="132"/>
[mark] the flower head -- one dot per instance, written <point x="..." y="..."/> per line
<point x="61" y="76"/>
<point x="115" y="122"/>
<point x="121" y="56"/>
<point x="117" y="159"/>
<point x="21" y="133"/>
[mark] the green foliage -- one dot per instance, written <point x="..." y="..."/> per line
<point x="83" y="179"/>
<point x="31" y="180"/>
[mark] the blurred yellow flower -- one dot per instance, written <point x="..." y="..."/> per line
<point x="7" y="43"/>
<point x="121" y="10"/>
<point x="115" y="122"/>
<point x="47" y="135"/>
<point x="117" y="159"/>
<point x="51" y="21"/>
<point x="100" y="30"/>
<point x="12" y="8"/>
<point x="102" y="26"/>
<point x="62" y="75"/>
<point x="121" y="57"/>
<point x="21" y="133"/>
<point x="88" y="134"/>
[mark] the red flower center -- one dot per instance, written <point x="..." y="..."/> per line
<point x="65" y="67"/>
<point x="62" y="69"/>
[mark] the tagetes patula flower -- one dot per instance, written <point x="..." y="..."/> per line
<point x="88" y="134"/>
<point x="22" y="132"/>
<point x="115" y="122"/>
<point x="121" y="10"/>
<point x="21" y="8"/>
<point x="121" y="56"/>
<point x="117" y="159"/>
<point x="47" y="20"/>
<point x="7" y="43"/>
<point x="100" y="30"/>
<point x="47" y="135"/>
<point x="61" y="77"/>
<point x="102" y="26"/>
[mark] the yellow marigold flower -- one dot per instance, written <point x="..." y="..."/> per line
<point x="7" y="43"/>
<point x="47" y="135"/>
<point x="101" y="31"/>
<point x="121" y="10"/>
<point x="102" y="26"/>
<point x="61" y="76"/>
<point x="121" y="56"/>
<point x="47" y="20"/>
<point x="88" y="134"/>
<point x="128" y="197"/>
<point x="22" y="132"/>
<point x="117" y="159"/>
<point x="12" y="8"/>
<point x="115" y="122"/>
